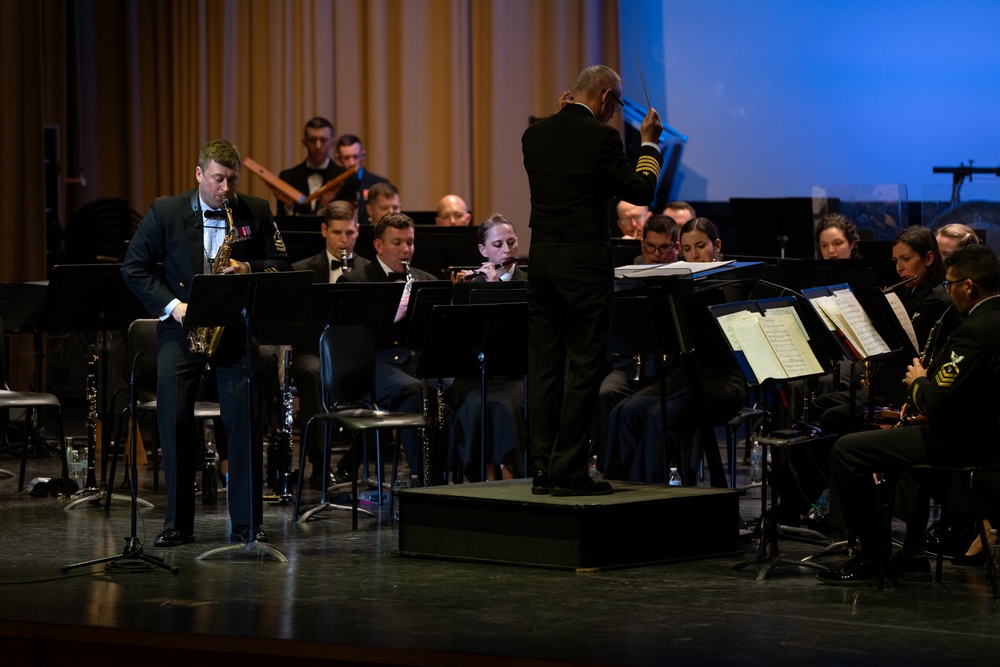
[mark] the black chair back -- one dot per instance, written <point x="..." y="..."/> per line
<point x="347" y="366"/>
<point x="142" y="336"/>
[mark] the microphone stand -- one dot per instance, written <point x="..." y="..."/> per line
<point x="133" y="547"/>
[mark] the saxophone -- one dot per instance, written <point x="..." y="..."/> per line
<point x="205" y="340"/>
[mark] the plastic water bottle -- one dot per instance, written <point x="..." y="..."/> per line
<point x="675" y="478"/>
<point x="402" y="482"/>
<point x="755" y="456"/>
<point x="594" y="473"/>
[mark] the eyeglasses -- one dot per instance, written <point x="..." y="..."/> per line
<point x="658" y="249"/>
<point x="948" y="283"/>
<point x="618" y="101"/>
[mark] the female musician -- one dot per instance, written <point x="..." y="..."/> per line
<point x="635" y="431"/>
<point x="700" y="241"/>
<point x="952" y="237"/>
<point x="498" y="244"/>
<point x="505" y="398"/>
<point x="837" y="237"/>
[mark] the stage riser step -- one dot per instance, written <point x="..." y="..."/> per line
<point x="502" y="522"/>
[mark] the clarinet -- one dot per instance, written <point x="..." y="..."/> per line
<point x="343" y="261"/>
<point x="926" y="356"/>
<point x="92" y="423"/>
<point x="280" y="456"/>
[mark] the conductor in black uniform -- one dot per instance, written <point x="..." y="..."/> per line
<point x="576" y="167"/>
<point x="958" y="395"/>
<point x="184" y="233"/>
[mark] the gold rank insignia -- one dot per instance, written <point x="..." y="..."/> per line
<point x="279" y="243"/>
<point x="949" y="371"/>
<point x="648" y="166"/>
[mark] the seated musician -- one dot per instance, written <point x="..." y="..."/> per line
<point x="635" y="436"/>
<point x="959" y="381"/>
<point x="837" y="237"/>
<point x="340" y="232"/>
<point x="952" y="237"/>
<point x="498" y="246"/>
<point x="396" y="386"/>
<point x="505" y="398"/>
<point x="310" y="175"/>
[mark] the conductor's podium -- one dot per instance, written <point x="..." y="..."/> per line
<point x="503" y="522"/>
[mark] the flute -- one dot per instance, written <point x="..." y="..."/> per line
<point x="886" y="290"/>
<point x="499" y="265"/>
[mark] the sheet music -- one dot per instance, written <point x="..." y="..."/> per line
<point x="860" y="324"/>
<point x="904" y="319"/>
<point x="817" y="305"/>
<point x="763" y="362"/>
<point x="789" y="310"/>
<point x="726" y="324"/>
<point x="672" y="269"/>
<point x="790" y="346"/>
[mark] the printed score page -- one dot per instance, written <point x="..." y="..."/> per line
<point x="790" y="346"/>
<point x="763" y="362"/>
<point x="904" y="319"/>
<point x="851" y="310"/>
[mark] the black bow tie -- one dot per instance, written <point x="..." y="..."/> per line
<point x="214" y="214"/>
<point x="335" y="264"/>
<point x="393" y="276"/>
<point x="314" y="170"/>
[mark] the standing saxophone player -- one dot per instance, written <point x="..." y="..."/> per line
<point x="185" y="233"/>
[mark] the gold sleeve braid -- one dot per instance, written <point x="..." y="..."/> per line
<point x="648" y="166"/>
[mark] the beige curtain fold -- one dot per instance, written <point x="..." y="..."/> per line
<point x="440" y="91"/>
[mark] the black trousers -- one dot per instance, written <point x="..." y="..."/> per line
<point x="179" y="372"/>
<point x="570" y="297"/>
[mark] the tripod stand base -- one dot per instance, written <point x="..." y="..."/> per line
<point x="97" y="498"/>
<point x="323" y="507"/>
<point x="767" y="564"/>
<point x="249" y="547"/>
<point x="7" y="473"/>
<point x="133" y="553"/>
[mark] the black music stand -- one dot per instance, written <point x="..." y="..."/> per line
<point x="133" y="547"/>
<point x="768" y="556"/>
<point x="484" y="340"/>
<point x="19" y="305"/>
<point x="91" y="297"/>
<point x="248" y="300"/>
<point x="480" y="291"/>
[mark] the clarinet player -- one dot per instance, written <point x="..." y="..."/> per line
<point x="186" y="233"/>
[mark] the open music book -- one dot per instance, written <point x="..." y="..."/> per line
<point x="775" y="345"/>
<point x="673" y="269"/>
<point x="843" y="314"/>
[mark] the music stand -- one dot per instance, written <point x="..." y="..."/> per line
<point x="19" y="303"/>
<point x="481" y="291"/>
<point x="476" y="340"/>
<point x="248" y="299"/>
<point x="91" y="297"/>
<point x="768" y="555"/>
<point x="133" y="547"/>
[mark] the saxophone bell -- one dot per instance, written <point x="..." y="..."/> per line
<point x="205" y="340"/>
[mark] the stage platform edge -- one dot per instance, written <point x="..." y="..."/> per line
<point x="503" y="522"/>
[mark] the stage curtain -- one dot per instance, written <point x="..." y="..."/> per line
<point x="439" y="90"/>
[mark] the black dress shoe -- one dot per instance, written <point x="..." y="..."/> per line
<point x="910" y="569"/>
<point x="855" y="572"/>
<point x="578" y="486"/>
<point x="975" y="560"/>
<point x="540" y="483"/>
<point x="239" y="534"/>
<point x="172" y="538"/>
